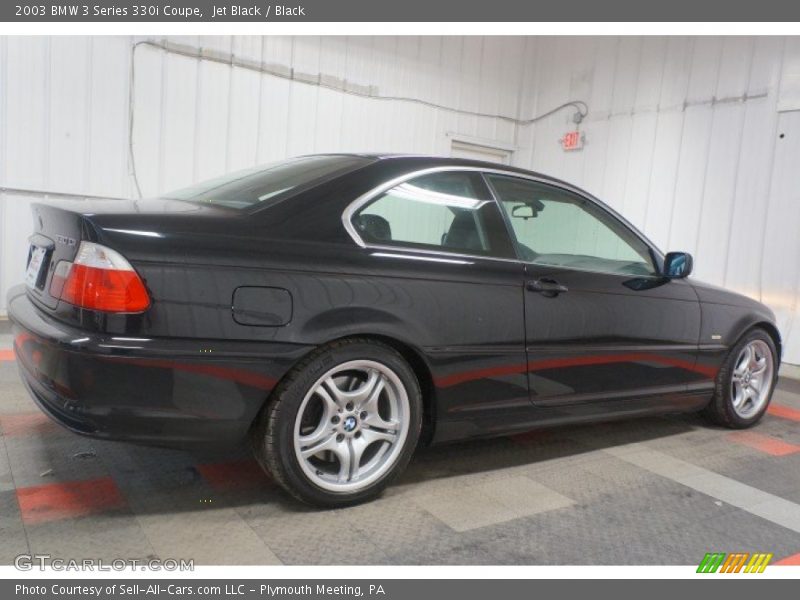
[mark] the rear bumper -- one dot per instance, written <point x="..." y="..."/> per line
<point x="158" y="391"/>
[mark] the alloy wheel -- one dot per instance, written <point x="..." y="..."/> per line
<point x="751" y="380"/>
<point x="351" y="426"/>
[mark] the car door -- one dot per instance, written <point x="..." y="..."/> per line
<point x="438" y="248"/>
<point x="600" y="321"/>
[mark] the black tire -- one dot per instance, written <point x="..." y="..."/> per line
<point x="272" y="437"/>
<point x="720" y="410"/>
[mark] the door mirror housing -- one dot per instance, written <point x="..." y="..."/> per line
<point x="678" y="265"/>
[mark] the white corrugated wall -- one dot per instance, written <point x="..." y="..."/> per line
<point x="683" y="134"/>
<point x="684" y="139"/>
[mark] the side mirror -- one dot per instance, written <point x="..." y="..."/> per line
<point x="678" y="265"/>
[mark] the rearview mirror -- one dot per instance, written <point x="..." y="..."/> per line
<point x="522" y="211"/>
<point x="678" y="265"/>
<point x="527" y="210"/>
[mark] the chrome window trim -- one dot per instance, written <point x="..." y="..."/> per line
<point x="350" y="210"/>
<point x="382" y="248"/>
<point x="392" y="252"/>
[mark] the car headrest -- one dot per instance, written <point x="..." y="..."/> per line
<point x="373" y="228"/>
<point x="463" y="233"/>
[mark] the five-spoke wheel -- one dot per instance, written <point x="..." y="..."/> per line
<point x="342" y="424"/>
<point x="751" y="380"/>
<point x="745" y="382"/>
<point x="351" y="425"/>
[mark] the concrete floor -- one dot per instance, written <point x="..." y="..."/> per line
<point x="649" y="491"/>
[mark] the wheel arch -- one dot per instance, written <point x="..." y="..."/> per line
<point x="415" y="358"/>
<point x="773" y="332"/>
<point x="411" y="354"/>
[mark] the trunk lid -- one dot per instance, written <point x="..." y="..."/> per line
<point x="59" y="228"/>
<point x="56" y="236"/>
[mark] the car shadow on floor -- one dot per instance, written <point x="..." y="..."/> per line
<point x="156" y="480"/>
<point x="540" y="446"/>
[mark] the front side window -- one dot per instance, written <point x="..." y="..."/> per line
<point x="447" y="211"/>
<point x="555" y="227"/>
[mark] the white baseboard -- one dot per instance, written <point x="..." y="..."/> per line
<point x="790" y="371"/>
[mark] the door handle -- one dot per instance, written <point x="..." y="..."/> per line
<point x="547" y="287"/>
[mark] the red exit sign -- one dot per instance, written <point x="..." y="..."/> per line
<point x="572" y="140"/>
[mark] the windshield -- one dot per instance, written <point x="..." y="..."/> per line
<point x="266" y="184"/>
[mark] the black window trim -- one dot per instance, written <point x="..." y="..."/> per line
<point x="350" y="212"/>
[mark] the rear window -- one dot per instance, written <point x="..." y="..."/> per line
<point x="267" y="184"/>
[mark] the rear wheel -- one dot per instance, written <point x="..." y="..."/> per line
<point x="745" y="382"/>
<point x="342" y="425"/>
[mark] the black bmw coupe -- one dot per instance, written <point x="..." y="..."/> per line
<point x="339" y="310"/>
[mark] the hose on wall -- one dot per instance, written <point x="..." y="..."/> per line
<point x="318" y="80"/>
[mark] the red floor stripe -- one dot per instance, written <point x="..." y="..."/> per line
<point x="793" y="560"/>
<point x="6" y="355"/>
<point x="27" y="424"/>
<point x="784" y="412"/>
<point x="764" y="443"/>
<point x="57" y="501"/>
<point x="234" y="475"/>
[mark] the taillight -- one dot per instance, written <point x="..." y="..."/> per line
<point x="99" y="279"/>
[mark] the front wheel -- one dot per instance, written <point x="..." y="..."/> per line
<point x="745" y="382"/>
<point x="342" y="425"/>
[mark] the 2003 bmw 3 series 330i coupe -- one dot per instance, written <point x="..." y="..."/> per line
<point x="341" y="309"/>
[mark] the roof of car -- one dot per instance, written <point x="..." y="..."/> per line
<point x="449" y="161"/>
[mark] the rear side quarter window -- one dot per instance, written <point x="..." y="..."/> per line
<point x="445" y="211"/>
